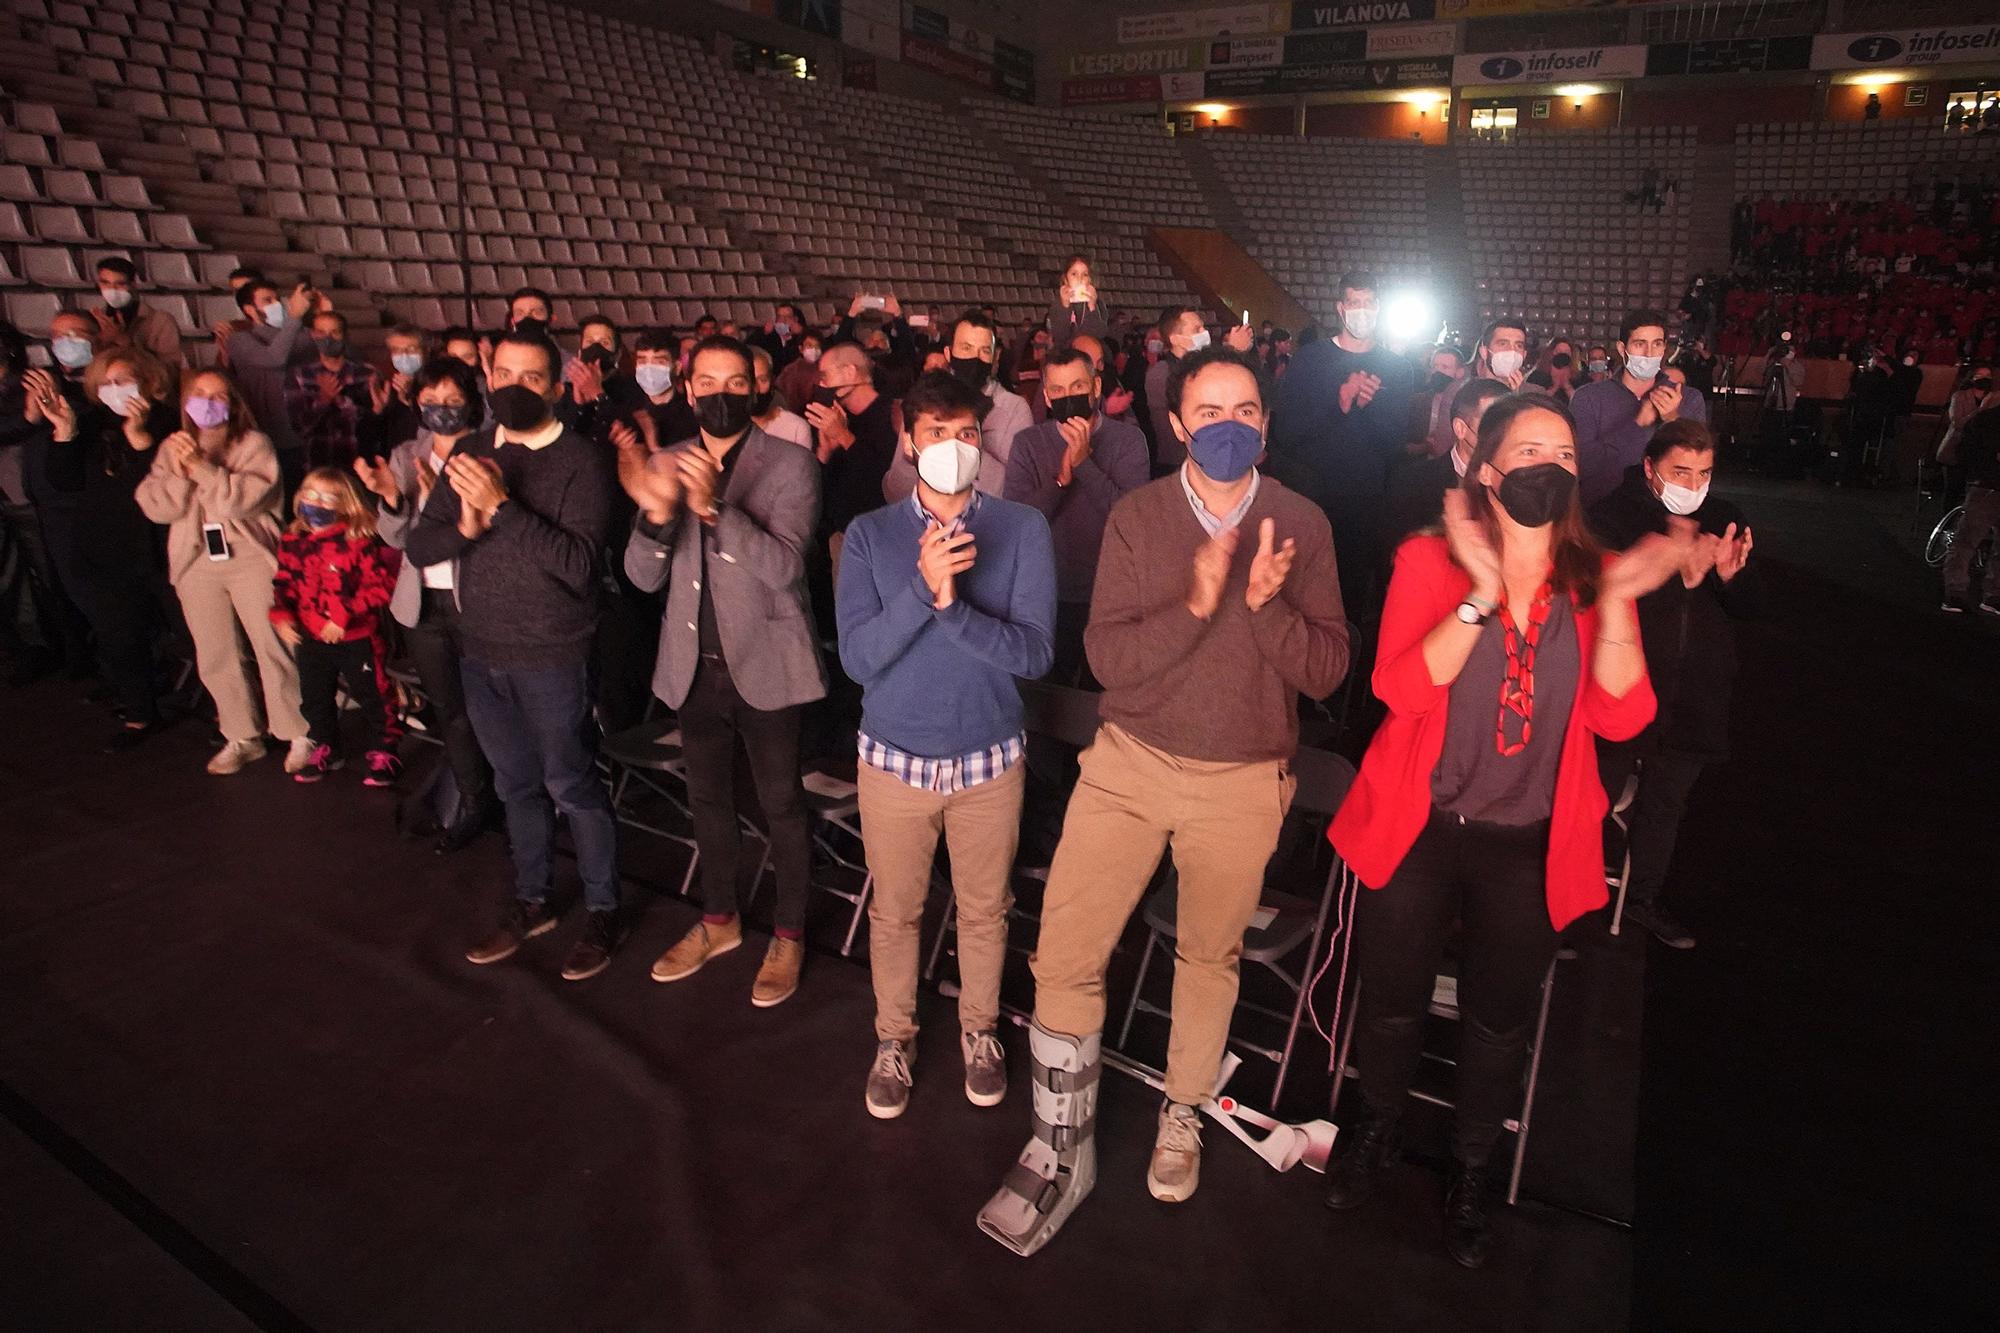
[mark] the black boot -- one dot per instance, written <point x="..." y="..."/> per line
<point x="1466" y="1231"/>
<point x="1350" y="1181"/>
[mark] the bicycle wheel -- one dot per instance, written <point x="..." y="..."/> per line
<point x="1938" y="548"/>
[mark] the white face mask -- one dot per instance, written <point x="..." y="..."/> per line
<point x="1506" y="362"/>
<point x="274" y="314"/>
<point x="654" y="379"/>
<point x="1642" y="367"/>
<point x="118" y="397"/>
<point x="948" y="466"/>
<point x="810" y="354"/>
<point x="1197" y="340"/>
<point x="116" y="297"/>
<point x="1682" y="500"/>
<point x="1358" y="323"/>
<point x="406" y="363"/>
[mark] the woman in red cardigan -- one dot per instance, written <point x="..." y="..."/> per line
<point x="1507" y="645"/>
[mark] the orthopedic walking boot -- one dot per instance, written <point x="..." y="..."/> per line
<point x="1058" y="1167"/>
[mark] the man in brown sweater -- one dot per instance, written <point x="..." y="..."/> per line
<point x="1217" y="603"/>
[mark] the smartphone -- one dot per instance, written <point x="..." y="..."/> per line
<point x="918" y="321"/>
<point x="873" y="303"/>
<point x="215" y="540"/>
<point x="1246" y="316"/>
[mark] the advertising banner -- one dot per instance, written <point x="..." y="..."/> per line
<point x="1359" y="13"/>
<point x="1333" y="76"/>
<point x="1730" y="55"/>
<point x="1311" y="48"/>
<point x="1584" y="62"/>
<point x="1479" y="9"/>
<point x="942" y="60"/>
<point x="821" y="16"/>
<point x="1246" y="51"/>
<point x="1181" y="25"/>
<point x="1914" y="46"/>
<point x="1139" y="60"/>
<point x="1104" y="92"/>
<point x="1412" y="39"/>
<point x="1013" y="71"/>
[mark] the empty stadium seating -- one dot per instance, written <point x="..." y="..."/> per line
<point x="1861" y="159"/>
<point x="1316" y="208"/>
<point x="415" y="178"/>
<point x="1554" y="235"/>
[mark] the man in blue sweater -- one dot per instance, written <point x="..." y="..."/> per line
<point x="945" y="598"/>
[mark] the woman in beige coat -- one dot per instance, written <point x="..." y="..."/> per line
<point x="215" y="485"/>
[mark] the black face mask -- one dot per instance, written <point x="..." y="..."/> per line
<point x="1439" y="380"/>
<point x="600" y="358"/>
<point x="519" y="408"/>
<point x="760" y="402"/>
<point x="1560" y="360"/>
<point x="1982" y="385"/>
<point x="1070" y="406"/>
<point x="331" y="346"/>
<point x="537" y="327"/>
<point x="722" y="415"/>
<point x="1535" y="496"/>
<point x="971" y="371"/>
<point x="825" y="397"/>
<point x="445" y="418"/>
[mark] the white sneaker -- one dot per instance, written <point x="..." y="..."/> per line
<point x="1176" y="1165"/>
<point x="234" y="755"/>
<point x="299" y="755"/>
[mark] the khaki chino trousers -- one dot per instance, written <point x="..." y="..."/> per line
<point x="1132" y="802"/>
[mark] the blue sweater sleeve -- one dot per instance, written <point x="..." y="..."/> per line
<point x="875" y="631"/>
<point x="1023" y="644"/>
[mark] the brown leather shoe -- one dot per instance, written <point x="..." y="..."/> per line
<point x="696" y="948"/>
<point x="521" y="922"/>
<point x="591" y="953"/>
<point x="779" y="976"/>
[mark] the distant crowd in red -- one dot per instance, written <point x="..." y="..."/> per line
<point x="1891" y="274"/>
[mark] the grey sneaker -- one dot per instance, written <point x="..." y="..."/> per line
<point x="1176" y="1166"/>
<point x="889" y="1079"/>
<point x="985" y="1067"/>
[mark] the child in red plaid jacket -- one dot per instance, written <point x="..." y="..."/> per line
<point x="334" y="579"/>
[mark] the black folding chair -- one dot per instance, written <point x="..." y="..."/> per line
<point x="1061" y="715"/>
<point x="1283" y="920"/>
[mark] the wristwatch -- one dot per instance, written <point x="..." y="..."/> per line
<point x="1474" y="611"/>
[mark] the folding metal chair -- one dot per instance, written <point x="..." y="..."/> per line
<point x="1283" y="920"/>
<point x="1621" y="816"/>
<point x="1061" y="715"/>
<point x="835" y="806"/>
<point x="408" y="700"/>
<point x="1444" y="1004"/>
<point x="639" y="753"/>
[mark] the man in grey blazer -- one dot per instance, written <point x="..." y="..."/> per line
<point x="425" y="602"/>
<point x="724" y="522"/>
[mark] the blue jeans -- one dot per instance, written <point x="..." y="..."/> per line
<point x="537" y="731"/>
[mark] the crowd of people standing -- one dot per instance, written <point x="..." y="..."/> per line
<point x="895" y="522"/>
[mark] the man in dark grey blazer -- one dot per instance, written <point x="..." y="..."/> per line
<point x="724" y="521"/>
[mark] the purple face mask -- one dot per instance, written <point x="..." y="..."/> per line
<point x="207" y="413"/>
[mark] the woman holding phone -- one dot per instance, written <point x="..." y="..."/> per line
<point x="1508" y="645"/>
<point x="214" y="483"/>
<point x="1077" y="309"/>
<point x="109" y="554"/>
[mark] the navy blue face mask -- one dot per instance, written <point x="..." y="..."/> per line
<point x="318" y="516"/>
<point x="1225" y="450"/>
